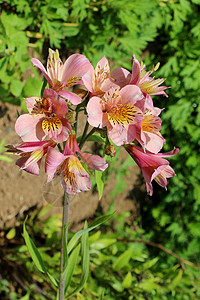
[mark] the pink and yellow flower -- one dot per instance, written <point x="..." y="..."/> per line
<point x="31" y="154"/>
<point x="60" y="76"/>
<point x="148" y="131"/>
<point x="141" y="78"/>
<point x="75" y="179"/>
<point x="119" y="111"/>
<point x="97" y="80"/>
<point x="153" y="166"/>
<point x="45" y="118"/>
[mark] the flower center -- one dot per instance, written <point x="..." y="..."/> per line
<point x="123" y="115"/>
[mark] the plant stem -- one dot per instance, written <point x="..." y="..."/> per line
<point x="65" y="220"/>
<point x="87" y="136"/>
<point x="84" y="134"/>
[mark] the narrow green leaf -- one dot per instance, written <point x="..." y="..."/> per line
<point x="123" y="259"/>
<point x="100" y="183"/>
<point x="178" y="278"/>
<point x="150" y="263"/>
<point x="52" y="279"/>
<point x="71" y="265"/>
<point x="35" y="254"/>
<point x="127" y="281"/>
<point x="85" y="262"/>
<point x="93" y="225"/>
<point x="5" y="158"/>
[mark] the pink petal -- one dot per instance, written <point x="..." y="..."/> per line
<point x="87" y="79"/>
<point x="40" y="66"/>
<point x="75" y="65"/>
<point x="64" y="135"/>
<point x="120" y="77"/>
<point x="53" y="159"/>
<point x="29" y="128"/>
<point x="153" y="142"/>
<point x="72" y="97"/>
<point x="30" y="102"/>
<point x="33" y="168"/>
<point x="136" y="70"/>
<point x="94" y="161"/>
<point x="131" y="94"/>
<point x="95" y="114"/>
<point x="84" y="183"/>
<point x="32" y="146"/>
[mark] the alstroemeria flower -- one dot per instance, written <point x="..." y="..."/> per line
<point x="97" y="80"/>
<point x="141" y="78"/>
<point x="45" y="118"/>
<point x="153" y="166"/>
<point x="60" y="76"/>
<point x="148" y="134"/>
<point x="119" y="111"/>
<point x="31" y="154"/>
<point x="75" y="179"/>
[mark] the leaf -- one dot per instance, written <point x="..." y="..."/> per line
<point x="85" y="262"/>
<point x="11" y="234"/>
<point x="100" y="183"/>
<point x="35" y="254"/>
<point x="127" y="281"/>
<point x="177" y="279"/>
<point x="16" y="87"/>
<point x="123" y="260"/>
<point x="70" y="267"/>
<point x="103" y="243"/>
<point x="96" y="138"/>
<point x="150" y="263"/>
<point x="93" y="225"/>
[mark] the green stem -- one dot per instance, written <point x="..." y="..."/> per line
<point x="84" y="134"/>
<point x="65" y="220"/>
<point x="83" y="140"/>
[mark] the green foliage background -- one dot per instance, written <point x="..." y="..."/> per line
<point x="158" y="30"/>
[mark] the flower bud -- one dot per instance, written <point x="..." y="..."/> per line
<point x="110" y="150"/>
<point x="71" y="117"/>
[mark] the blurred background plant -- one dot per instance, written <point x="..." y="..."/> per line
<point x="167" y="31"/>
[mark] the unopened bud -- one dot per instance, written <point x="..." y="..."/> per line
<point x="110" y="150"/>
<point x="71" y="117"/>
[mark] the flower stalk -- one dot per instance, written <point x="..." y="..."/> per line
<point x="65" y="220"/>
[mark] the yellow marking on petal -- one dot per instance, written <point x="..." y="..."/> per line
<point x="75" y="165"/>
<point x="123" y="115"/>
<point x="34" y="157"/>
<point x="70" y="178"/>
<point x="151" y="86"/>
<point x="52" y="124"/>
<point x="151" y="123"/>
<point x="72" y="81"/>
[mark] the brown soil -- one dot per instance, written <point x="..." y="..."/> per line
<point x="20" y="191"/>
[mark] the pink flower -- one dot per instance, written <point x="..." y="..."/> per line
<point x="75" y="179"/>
<point x="97" y="80"/>
<point x="153" y="166"/>
<point x="31" y="154"/>
<point x="141" y="78"/>
<point x="60" y="76"/>
<point x="147" y="132"/>
<point x="46" y="118"/>
<point x="119" y="111"/>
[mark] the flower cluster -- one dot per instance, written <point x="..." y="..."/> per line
<point x="118" y="103"/>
